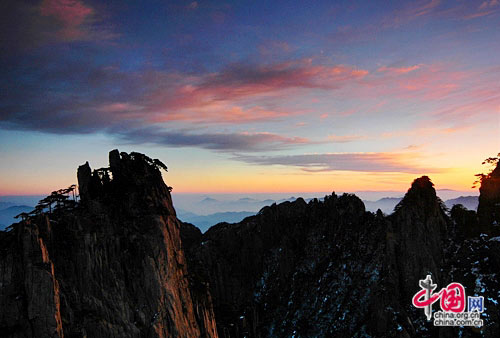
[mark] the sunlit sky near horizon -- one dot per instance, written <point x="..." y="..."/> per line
<point x="251" y="96"/>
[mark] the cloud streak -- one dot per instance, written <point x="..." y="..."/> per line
<point x="345" y="138"/>
<point x="398" y="70"/>
<point x="328" y="162"/>
<point x="244" y="141"/>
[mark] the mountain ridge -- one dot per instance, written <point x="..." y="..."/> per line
<point x="120" y="263"/>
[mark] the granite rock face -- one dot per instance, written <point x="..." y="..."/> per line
<point x="111" y="267"/>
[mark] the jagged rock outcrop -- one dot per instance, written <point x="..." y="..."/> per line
<point x="418" y="229"/>
<point x="330" y="269"/>
<point x="112" y="267"/>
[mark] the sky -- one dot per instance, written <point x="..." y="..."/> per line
<point x="251" y="96"/>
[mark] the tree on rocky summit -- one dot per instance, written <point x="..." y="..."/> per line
<point x="493" y="163"/>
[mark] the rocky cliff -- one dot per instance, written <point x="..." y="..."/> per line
<point x="488" y="210"/>
<point x="111" y="266"/>
<point x="118" y="263"/>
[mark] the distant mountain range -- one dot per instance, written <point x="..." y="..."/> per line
<point x="203" y="222"/>
<point x="5" y="205"/>
<point x="251" y="206"/>
<point x="387" y="204"/>
<point x="11" y="206"/>
<point x="470" y="202"/>
<point x="7" y="215"/>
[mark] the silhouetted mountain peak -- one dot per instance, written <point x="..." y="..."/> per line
<point x="421" y="197"/>
<point x="208" y="200"/>
<point x="423" y="182"/>
<point x="131" y="181"/>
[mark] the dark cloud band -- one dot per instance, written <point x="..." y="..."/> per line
<point x="365" y="162"/>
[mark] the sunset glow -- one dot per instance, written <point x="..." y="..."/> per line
<point x="251" y="97"/>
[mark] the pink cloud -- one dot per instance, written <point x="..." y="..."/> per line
<point x="75" y="21"/>
<point x="250" y="80"/>
<point x="239" y="95"/>
<point x="431" y="82"/>
<point x="71" y="12"/>
<point x="116" y="107"/>
<point x="489" y="4"/>
<point x="478" y="102"/>
<point x="220" y="97"/>
<point x="413" y="10"/>
<point x="479" y="14"/>
<point x="463" y="114"/>
<point x="222" y="114"/>
<point x="474" y="100"/>
<point x="398" y="70"/>
<point x="236" y="95"/>
<point x="426" y="8"/>
<point x="460" y="10"/>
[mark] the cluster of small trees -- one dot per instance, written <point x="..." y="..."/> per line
<point x="56" y="200"/>
<point x="153" y="162"/>
<point x="156" y="163"/>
